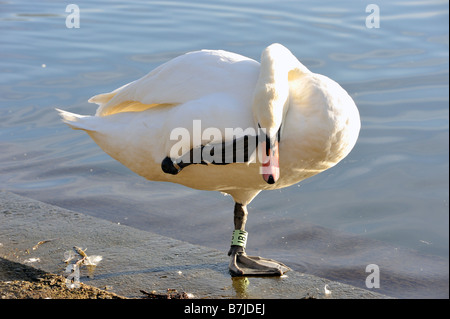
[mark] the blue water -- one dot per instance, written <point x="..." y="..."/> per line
<point x="385" y="204"/>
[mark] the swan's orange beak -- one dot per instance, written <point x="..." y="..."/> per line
<point x="270" y="166"/>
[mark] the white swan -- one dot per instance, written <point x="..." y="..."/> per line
<point x="308" y="124"/>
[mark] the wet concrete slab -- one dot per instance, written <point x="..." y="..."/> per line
<point x="41" y="235"/>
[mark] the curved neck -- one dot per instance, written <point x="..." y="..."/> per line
<point x="271" y="96"/>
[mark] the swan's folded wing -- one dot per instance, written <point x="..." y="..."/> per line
<point x="185" y="78"/>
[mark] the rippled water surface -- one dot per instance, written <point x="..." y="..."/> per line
<point x="385" y="204"/>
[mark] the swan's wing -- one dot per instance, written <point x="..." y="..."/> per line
<point x="186" y="78"/>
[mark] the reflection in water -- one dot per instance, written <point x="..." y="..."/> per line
<point x="240" y="285"/>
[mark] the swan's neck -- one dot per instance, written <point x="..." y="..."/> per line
<point x="271" y="96"/>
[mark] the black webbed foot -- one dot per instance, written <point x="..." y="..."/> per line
<point x="243" y="265"/>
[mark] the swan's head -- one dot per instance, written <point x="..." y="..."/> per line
<point x="270" y="168"/>
<point x="269" y="117"/>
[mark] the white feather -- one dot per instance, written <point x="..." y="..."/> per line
<point x="133" y="123"/>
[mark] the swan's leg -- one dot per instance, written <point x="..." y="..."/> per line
<point x="243" y="265"/>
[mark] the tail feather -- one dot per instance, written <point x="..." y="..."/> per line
<point x="76" y="121"/>
<point x="101" y="99"/>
